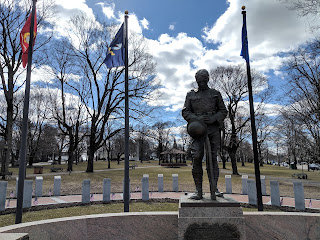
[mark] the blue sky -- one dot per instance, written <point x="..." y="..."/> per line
<point x="186" y="16"/>
<point x="186" y="35"/>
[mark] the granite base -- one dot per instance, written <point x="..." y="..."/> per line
<point x="215" y="219"/>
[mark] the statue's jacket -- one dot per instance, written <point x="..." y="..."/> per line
<point x="205" y="102"/>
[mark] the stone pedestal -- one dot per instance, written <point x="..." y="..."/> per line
<point x="145" y="187"/>
<point x="210" y="219"/>
<point x="57" y="185"/>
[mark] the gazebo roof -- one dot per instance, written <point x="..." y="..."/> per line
<point x="173" y="151"/>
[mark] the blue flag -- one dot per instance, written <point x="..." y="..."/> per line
<point x="244" y="49"/>
<point x="115" y="54"/>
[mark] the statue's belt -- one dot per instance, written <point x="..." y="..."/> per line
<point x="205" y="113"/>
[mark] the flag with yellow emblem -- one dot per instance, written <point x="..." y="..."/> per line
<point x="115" y="55"/>
<point x="25" y="38"/>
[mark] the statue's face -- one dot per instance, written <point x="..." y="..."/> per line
<point x="202" y="82"/>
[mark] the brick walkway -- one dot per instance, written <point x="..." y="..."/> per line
<point x="285" y="201"/>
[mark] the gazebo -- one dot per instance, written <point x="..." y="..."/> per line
<point x="171" y="154"/>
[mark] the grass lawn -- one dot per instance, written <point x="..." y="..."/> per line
<point x="72" y="183"/>
<point x="31" y="216"/>
<point x="9" y="219"/>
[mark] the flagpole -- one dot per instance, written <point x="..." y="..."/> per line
<point x="253" y="129"/>
<point x="23" y="147"/>
<point x="126" y="143"/>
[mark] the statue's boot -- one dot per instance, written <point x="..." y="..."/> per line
<point x="197" y="177"/>
<point x="219" y="194"/>
<point x="212" y="193"/>
<point x="213" y="186"/>
<point x="198" y="194"/>
<point x="215" y="192"/>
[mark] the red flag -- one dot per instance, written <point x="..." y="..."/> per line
<point x="25" y="38"/>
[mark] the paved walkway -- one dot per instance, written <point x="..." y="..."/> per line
<point x="285" y="201"/>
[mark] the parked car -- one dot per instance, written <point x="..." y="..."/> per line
<point x="314" y="166"/>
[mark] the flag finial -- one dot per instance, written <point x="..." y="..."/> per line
<point x="243" y="7"/>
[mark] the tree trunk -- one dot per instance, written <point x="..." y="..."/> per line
<point x="8" y="134"/>
<point x="91" y="146"/>
<point x="77" y="157"/>
<point x="31" y="158"/>
<point x="70" y="151"/>
<point x="224" y="163"/>
<point x="70" y="158"/>
<point x="118" y="157"/>
<point x="232" y="150"/>
<point x="260" y="155"/>
<point x="59" y="158"/>
<point x="90" y="159"/>
<point x="70" y="161"/>
<point x="223" y="158"/>
<point x="232" y="154"/>
<point x="109" y="156"/>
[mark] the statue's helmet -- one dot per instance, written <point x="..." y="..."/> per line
<point x="197" y="129"/>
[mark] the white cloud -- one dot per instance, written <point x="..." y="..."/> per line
<point x="42" y="74"/>
<point x="145" y="23"/>
<point x="174" y="57"/>
<point x="272" y="30"/>
<point x="135" y="25"/>
<point x="108" y="9"/>
<point x="68" y="9"/>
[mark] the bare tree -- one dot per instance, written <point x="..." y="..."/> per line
<point x="304" y="92"/>
<point x="143" y="143"/>
<point x="117" y="145"/>
<point x="160" y="133"/>
<point x="38" y="118"/>
<point x="61" y="144"/>
<point x="245" y="152"/>
<point x="298" y="142"/>
<point x="304" y="7"/>
<point x="185" y="139"/>
<point x="67" y="110"/>
<point x="101" y="90"/>
<point x="263" y="125"/>
<point x="232" y="83"/>
<point x="13" y="15"/>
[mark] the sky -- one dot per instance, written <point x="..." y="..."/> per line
<point x="186" y="35"/>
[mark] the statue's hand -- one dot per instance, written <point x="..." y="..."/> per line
<point x="208" y="119"/>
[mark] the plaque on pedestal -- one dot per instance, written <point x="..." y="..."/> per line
<point x="210" y="219"/>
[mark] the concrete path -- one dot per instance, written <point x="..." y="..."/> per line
<point x="285" y="201"/>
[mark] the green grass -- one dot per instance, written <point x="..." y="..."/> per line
<point x="31" y="216"/>
<point x="9" y="219"/>
<point x="276" y="171"/>
<point x="72" y="183"/>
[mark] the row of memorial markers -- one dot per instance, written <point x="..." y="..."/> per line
<point x="248" y="188"/>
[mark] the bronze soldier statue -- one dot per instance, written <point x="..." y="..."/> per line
<point x="204" y="110"/>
